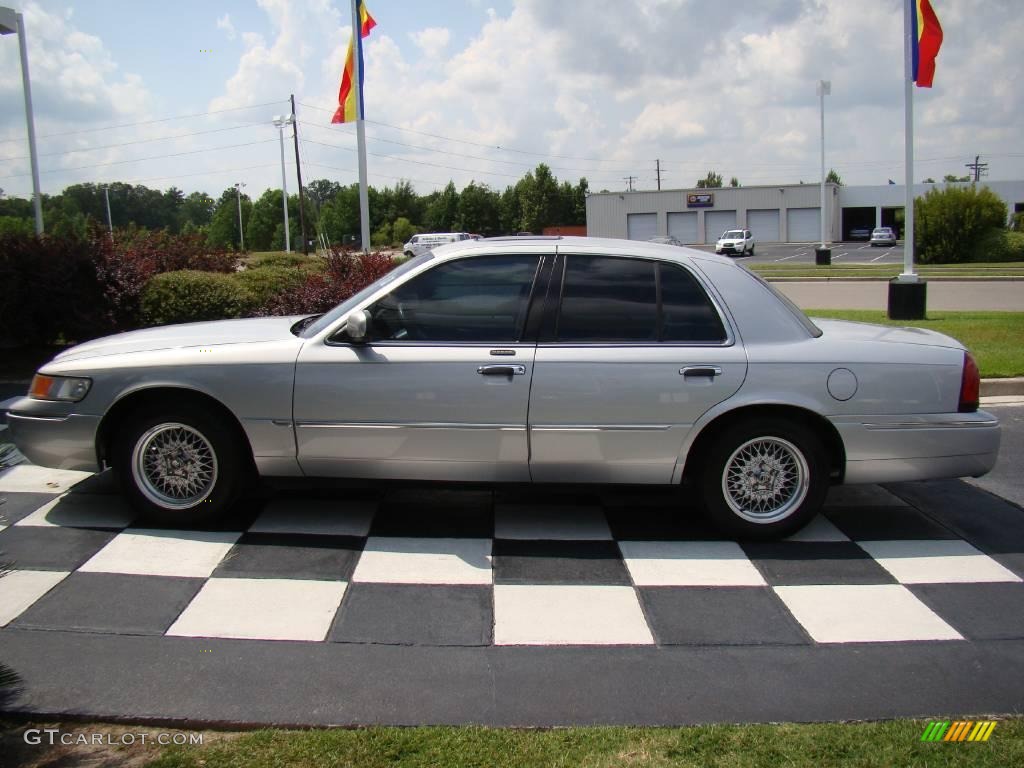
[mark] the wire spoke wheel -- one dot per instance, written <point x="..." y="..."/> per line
<point x="174" y="465"/>
<point x="765" y="480"/>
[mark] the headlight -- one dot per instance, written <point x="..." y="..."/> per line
<point x="64" y="388"/>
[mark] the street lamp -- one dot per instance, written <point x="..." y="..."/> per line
<point x="823" y="255"/>
<point x="10" y="22"/>
<point x="110" y="221"/>
<point x="281" y="121"/>
<point x="241" y="232"/>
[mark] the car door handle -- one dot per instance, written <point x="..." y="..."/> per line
<point x="501" y="370"/>
<point x="700" y="370"/>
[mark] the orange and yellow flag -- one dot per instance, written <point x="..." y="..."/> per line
<point x="347" y="111"/>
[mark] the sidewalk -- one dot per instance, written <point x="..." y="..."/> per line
<point x="947" y="295"/>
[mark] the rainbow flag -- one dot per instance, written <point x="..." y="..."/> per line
<point x="927" y="39"/>
<point x="346" y="111"/>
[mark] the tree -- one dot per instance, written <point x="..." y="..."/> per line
<point x="321" y="191"/>
<point x="197" y="209"/>
<point x="956" y="224"/>
<point x="833" y="177"/>
<point x="442" y="210"/>
<point x="222" y="231"/>
<point x="949" y="177"/>
<point x="339" y="216"/>
<point x="402" y="230"/>
<point x="929" y="180"/>
<point x="479" y="210"/>
<point x="711" y="181"/>
<point x="734" y="182"/>
<point x="262" y="225"/>
<point x="538" y="199"/>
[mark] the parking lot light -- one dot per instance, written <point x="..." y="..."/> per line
<point x="13" y="22"/>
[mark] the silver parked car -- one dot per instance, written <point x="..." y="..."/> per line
<point x="555" y="359"/>
<point x="883" y="236"/>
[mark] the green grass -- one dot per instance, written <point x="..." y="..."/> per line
<point x="722" y="746"/>
<point x="994" y="338"/>
<point x="841" y="271"/>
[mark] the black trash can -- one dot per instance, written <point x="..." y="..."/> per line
<point x="907" y="300"/>
<point x="823" y="257"/>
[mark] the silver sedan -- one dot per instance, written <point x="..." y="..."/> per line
<point x="541" y="360"/>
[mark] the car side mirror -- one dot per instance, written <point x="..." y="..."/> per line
<point x="357" y="325"/>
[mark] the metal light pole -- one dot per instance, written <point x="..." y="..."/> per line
<point x="110" y="221"/>
<point x="281" y="121"/>
<point x="241" y="232"/>
<point x="823" y="255"/>
<point x="10" y="22"/>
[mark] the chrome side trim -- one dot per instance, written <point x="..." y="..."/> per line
<point x="954" y="424"/>
<point x="601" y="427"/>
<point x="424" y="425"/>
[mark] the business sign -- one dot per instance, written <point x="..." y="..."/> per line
<point x="700" y="200"/>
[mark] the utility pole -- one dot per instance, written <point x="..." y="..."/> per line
<point x="630" y="179"/>
<point x="241" y="232"/>
<point x="281" y="121"/>
<point x="110" y="222"/>
<point x="657" y="170"/>
<point x="298" y="171"/>
<point x="980" y="169"/>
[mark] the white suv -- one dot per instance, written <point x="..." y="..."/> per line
<point x="738" y="242"/>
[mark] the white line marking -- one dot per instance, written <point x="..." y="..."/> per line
<point x="786" y="257"/>
<point x="879" y="258"/>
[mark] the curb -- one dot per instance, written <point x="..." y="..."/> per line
<point x="854" y="279"/>
<point x="1002" y="387"/>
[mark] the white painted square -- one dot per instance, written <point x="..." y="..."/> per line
<point x="407" y="560"/>
<point x="261" y="609"/>
<point x="28" y="478"/>
<point x="819" y="529"/>
<point x="936" y="562"/>
<point x="862" y="496"/>
<point x="864" y="613"/>
<point x="82" y="510"/>
<point x="316" y="516"/>
<point x="689" y="564"/>
<point x="568" y="615"/>
<point x="152" y="552"/>
<point x="19" y="589"/>
<point x="550" y="521"/>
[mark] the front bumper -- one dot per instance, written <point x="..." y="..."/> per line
<point x="882" y="449"/>
<point x="56" y="441"/>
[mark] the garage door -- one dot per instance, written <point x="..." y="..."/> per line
<point x="683" y="227"/>
<point x="717" y="222"/>
<point x="803" y="225"/>
<point x="764" y="225"/>
<point x="642" y="226"/>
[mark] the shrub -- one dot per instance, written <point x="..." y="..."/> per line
<point x="265" y="283"/>
<point x="190" y="295"/>
<point x="952" y="224"/>
<point x="273" y="259"/>
<point x="342" y="275"/>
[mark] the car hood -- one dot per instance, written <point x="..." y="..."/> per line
<point x="852" y="331"/>
<point x="207" y="334"/>
<point x="730" y="241"/>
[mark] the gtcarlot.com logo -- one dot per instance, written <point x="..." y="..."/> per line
<point x="54" y="736"/>
<point x="958" y="730"/>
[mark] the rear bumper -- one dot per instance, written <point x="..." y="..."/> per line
<point x="921" y="447"/>
<point x="59" y="442"/>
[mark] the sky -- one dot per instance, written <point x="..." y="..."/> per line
<point x="183" y="93"/>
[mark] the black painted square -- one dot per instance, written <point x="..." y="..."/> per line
<point x="886" y="523"/>
<point x="992" y="611"/>
<point x="558" y="562"/>
<point x="291" y="556"/>
<point x="16" y="505"/>
<point x="30" y="547"/>
<point x="819" y="562"/>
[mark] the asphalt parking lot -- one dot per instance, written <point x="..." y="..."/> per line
<point x="540" y="606"/>
<point x="803" y="253"/>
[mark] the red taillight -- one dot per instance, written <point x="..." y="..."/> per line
<point x="970" y="385"/>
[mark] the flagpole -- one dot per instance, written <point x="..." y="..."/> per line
<point x="908" y="275"/>
<point x="364" y="198"/>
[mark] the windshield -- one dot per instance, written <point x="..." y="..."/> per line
<point x="329" y="318"/>
<point x="733" y="234"/>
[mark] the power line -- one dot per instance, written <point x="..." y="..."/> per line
<point x="137" y="141"/>
<point x="149" y="122"/>
<point x="142" y="159"/>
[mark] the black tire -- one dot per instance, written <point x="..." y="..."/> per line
<point x="792" y="450"/>
<point x="751" y="250"/>
<point x="193" y="435"/>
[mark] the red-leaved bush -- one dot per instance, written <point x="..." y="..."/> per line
<point x="343" y="274"/>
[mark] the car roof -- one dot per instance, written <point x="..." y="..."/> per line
<point x="596" y="246"/>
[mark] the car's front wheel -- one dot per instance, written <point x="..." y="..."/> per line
<point x="765" y="478"/>
<point x="179" y="466"/>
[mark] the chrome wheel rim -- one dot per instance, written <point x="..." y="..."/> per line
<point x="174" y="465"/>
<point x="765" y="480"/>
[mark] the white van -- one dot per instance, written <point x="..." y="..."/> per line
<point x="419" y="243"/>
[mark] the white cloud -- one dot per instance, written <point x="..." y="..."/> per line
<point x="432" y="41"/>
<point x="224" y="22"/>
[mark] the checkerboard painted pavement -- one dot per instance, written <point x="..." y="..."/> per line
<point x="423" y="565"/>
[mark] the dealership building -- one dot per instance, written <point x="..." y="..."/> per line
<point x="773" y="213"/>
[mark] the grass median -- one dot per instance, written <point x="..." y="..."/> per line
<point x="994" y="338"/>
<point x="977" y="271"/>
<point x="727" y="746"/>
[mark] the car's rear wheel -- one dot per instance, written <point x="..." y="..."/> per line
<point x="751" y="250"/>
<point x="765" y="478"/>
<point x="179" y="466"/>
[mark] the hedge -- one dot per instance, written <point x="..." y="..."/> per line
<point x="190" y="296"/>
<point x="265" y="283"/>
